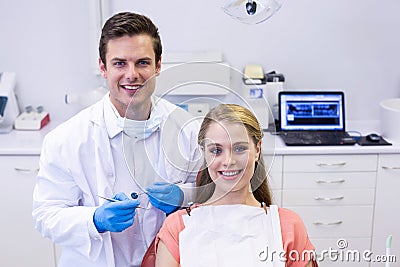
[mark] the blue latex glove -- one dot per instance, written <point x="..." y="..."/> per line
<point x="165" y="196"/>
<point x="115" y="216"/>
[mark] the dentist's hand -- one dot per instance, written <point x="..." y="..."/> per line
<point x="165" y="196"/>
<point x="115" y="216"/>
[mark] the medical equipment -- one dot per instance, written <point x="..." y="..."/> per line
<point x="116" y="200"/>
<point x="194" y="80"/>
<point x="32" y="119"/>
<point x="115" y="216"/>
<point x="193" y="74"/>
<point x="254" y="84"/>
<point x="135" y="195"/>
<point x="251" y="7"/>
<point x="261" y="92"/>
<point x="251" y="11"/>
<point x="274" y="85"/>
<point x="109" y="199"/>
<point x="8" y="102"/>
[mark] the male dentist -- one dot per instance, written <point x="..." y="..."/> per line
<point x="130" y="141"/>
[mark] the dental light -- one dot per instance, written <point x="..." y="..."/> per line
<point x="251" y="11"/>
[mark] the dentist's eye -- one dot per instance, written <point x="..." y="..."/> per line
<point x="119" y="64"/>
<point x="144" y="63"/>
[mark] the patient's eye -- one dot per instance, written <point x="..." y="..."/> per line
<point x="215" y="150"/>
<point x="240" y="148"/>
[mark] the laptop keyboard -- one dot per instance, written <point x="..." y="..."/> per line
<point x="315" y="138"/>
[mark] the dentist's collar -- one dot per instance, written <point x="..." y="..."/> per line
<point x="111" y="118"/>
<point x="140" y="129"/>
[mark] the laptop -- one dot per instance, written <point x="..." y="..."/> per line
<point x="311" y="118"/>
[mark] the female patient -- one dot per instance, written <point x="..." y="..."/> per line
<point x="233" y="222"/>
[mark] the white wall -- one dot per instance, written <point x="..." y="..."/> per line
<point x="348" y="45"/>
<point x="47" y="44"/>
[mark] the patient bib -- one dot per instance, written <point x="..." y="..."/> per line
<point x="231" y="235"/>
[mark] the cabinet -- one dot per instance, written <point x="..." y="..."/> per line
<point x="21" y="244"/>
<point x="334" y="195"/>
<point x="387" y="219"/>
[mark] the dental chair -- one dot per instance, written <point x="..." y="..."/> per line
<point x="149" y="259"/>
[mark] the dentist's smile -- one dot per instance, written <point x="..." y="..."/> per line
<point x="131" y="88"/>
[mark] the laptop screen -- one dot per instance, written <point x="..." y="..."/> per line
<point x="311" y="110"/>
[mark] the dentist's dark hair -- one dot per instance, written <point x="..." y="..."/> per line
<point x="233" y="114"/>
<point x="129" y="24"/>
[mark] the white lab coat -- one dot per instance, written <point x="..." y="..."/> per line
<point x="76" y="164"/>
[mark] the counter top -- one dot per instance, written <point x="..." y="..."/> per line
<point x="271" y="141"/>
<point x="19" y="142"/>
<point x="30" y="142"/>
<point x="273" y="144"/>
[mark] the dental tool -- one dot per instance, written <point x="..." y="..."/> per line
<point x="135" y="195"/>
<point x="116" y="200"/>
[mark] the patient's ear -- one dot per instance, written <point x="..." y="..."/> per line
<point x="258" y="150"/>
